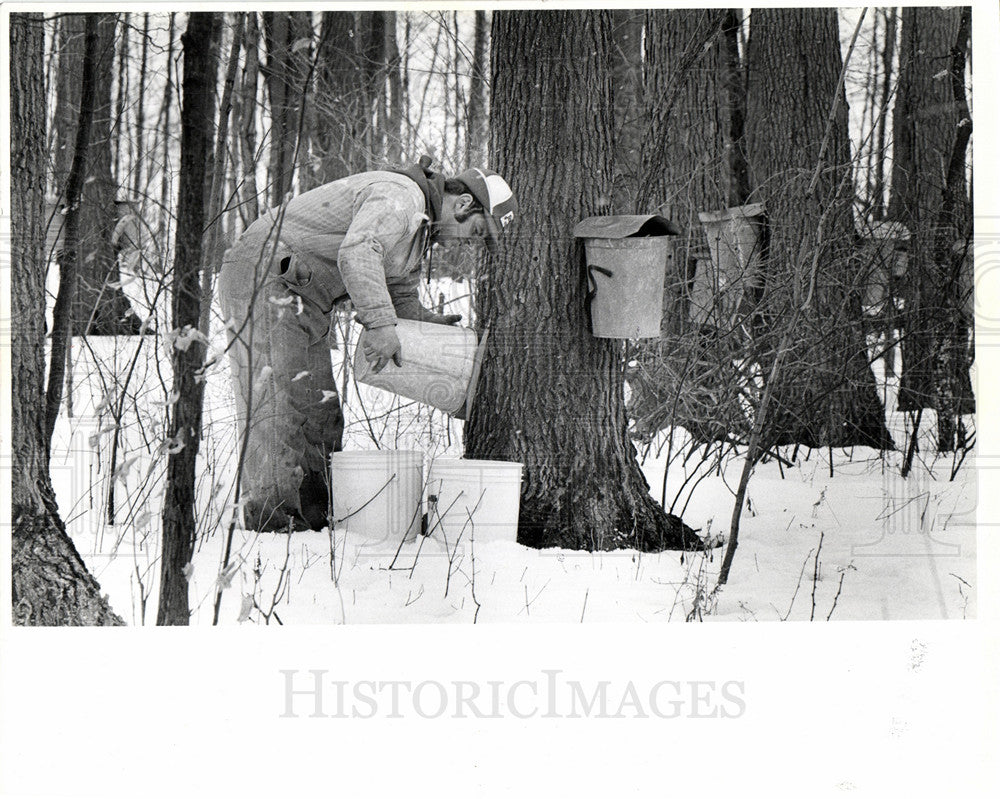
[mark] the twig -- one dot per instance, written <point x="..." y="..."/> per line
<point x="840" y="585"/>
<point x="802" y="571"/>
<point x="410" y="601"/>
<point x="369" y="501"/>
<point x="812" y="613"/>
<point x="472" y="555"/>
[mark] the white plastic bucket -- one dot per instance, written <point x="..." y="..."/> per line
<point x="471" y="499"/>
<point x="440" y="365"/>
<point x="377" y="494"/>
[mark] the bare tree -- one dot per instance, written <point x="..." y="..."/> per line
<point x="931" y="124"/>
<point x="551" y="395"/>
<point x="342" y="119"/>
<point x="166" y="184"/>
<point x="50" y="583"/>
<point x="288" y="38"/>
<point x="888" y="55"/>
<point x="70" y="257"/>
<point x="800" y="167"/>
<point x="477" y="130"/>
<point x="393" y="152"/>
<point x="200" y="46"/>
<point x="245" y="112"/>
<point x="98" y="305"/>
<point x="690" y="146"/>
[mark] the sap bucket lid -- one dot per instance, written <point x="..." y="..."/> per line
<point x="622" y="227"/>
<point x="477" y="365"/>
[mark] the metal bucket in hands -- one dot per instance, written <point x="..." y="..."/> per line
<point x="440" y="367"/>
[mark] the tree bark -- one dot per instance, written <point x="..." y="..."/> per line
<point x="551" y="395"/>
<point x="394" y="74"/>
<point x="342" y="120"/>
<point x="140" y="114"/>
<point x="884" y="95"/>
<point x="98" y="308"/>
<point x="631" y="116"/>
<point x="50" y="583"/>
<point x="200" y="46"/>
<point x="69" y="265"/>
<point x="952" y="258"/>
<point x="693" y="101"/>
<point x="247" y="122"/>
<point x="372" y="58"/>
<point x="926" y="126"/>
<point x="166" y="183"/>
<point x="288" y="38"/>
<point x="799" y="160"/>
<point x="477" y="131"/>
<point x="120" y="144"/>
<point x="216" y="204"/>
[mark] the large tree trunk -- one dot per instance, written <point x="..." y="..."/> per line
<point x="200" y="45"/>
<point x="799" y="159"/>
<point x="693" y="98"/>
<point x="98" y="306"/>
<point x="953" y="266"/>
<point x="926" y="123"/>
<point x="630" y="111"/>
<point x="551" y="395"/>
<point x="70" y="257"/>
<point x="50" y="583"/>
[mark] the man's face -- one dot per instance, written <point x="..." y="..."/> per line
<point x="459" y="224"/>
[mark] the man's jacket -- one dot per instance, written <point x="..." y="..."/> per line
<point x="362" y="237"/>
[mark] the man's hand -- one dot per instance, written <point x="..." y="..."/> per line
<point x="411" y="309"/>
<point x="381" y="346"/>
<point x="439" y="319"/>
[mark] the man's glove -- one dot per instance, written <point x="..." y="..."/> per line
<point x="381" y="346"/>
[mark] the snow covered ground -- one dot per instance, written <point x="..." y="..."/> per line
<point x="877" y="561"/>
<point x="862" y="544"/>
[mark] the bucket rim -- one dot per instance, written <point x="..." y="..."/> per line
<point x="631" y="243"/>
<point x="477" y="365"/>
<point x="375" y="452"/>
<point x="473" y="461"/>
<point x="749" y="211"/>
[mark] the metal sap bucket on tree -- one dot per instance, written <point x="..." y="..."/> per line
<point x="627" y="260"/>
<point x="440" y="368"/>
<point x="733" y="268"/>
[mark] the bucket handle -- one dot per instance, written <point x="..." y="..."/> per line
<point x="368" y="502"/>
<point x="591" y="268"/>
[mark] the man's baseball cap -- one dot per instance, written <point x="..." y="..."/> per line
<point x="496" y="197"/>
